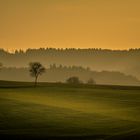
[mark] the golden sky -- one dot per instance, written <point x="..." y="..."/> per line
<point x="113" y="24"/>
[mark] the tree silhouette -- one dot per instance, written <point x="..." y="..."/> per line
<point x="36" y="69"/>
<point x="73" y="80"/>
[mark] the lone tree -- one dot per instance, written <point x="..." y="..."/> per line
<point x="36" y="69"/>
<point x="73" y="80"/>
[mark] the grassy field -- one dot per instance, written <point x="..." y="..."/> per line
<point x="60" y="111"/>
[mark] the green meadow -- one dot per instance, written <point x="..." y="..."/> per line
<point x="59" y="111"/>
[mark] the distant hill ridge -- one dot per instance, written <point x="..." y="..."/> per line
<point x="125" y="61"/>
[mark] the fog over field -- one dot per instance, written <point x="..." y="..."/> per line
<point x="125" y="61"/>
<point x="96" y="59"/>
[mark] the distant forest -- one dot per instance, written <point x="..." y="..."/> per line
<point x="127" y="62"/>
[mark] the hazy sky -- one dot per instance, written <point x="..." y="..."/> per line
<point x="111" y="24"/>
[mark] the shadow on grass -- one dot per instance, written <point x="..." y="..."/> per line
<point x="95" y="137"/>
<point x="26" y="137"/>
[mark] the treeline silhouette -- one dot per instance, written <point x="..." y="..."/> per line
<point x="126" y="61"/>
<point x="60" y="73"/>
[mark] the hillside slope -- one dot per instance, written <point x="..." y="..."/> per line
<point x="68" y="112"/>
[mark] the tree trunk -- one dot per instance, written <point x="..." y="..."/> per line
<point x="35" y="84"/>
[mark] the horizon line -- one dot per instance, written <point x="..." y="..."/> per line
<point x="45" y="48"/>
